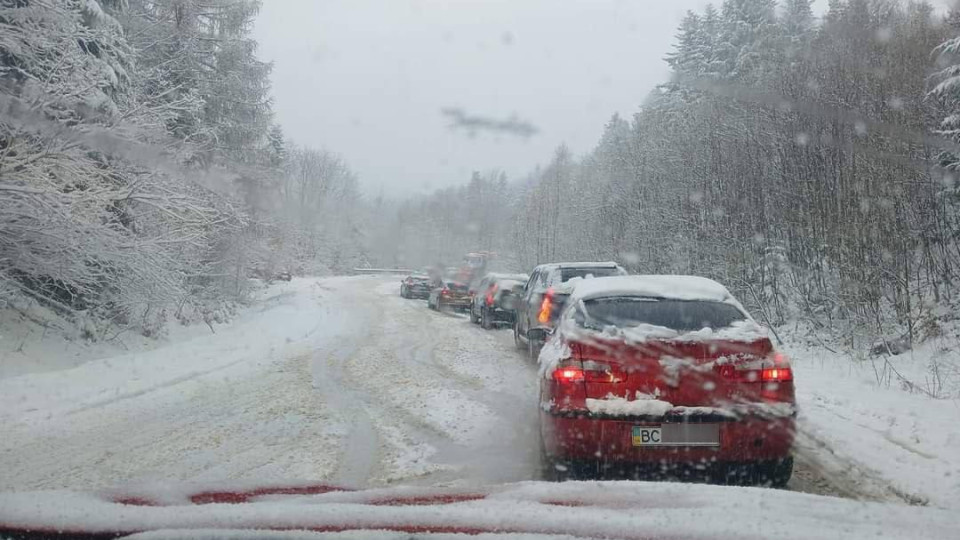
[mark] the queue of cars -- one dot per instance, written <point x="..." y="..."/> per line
<point x="659" y="375"/>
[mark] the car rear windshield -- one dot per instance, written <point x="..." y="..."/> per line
<point x="680" y="315"/>
<point x="566" y="274"/>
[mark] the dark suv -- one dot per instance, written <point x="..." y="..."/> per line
<point x="544" y="296"/>
<point x="494" y="298"/>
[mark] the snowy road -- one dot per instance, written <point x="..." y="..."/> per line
<point x="334" y="380"/>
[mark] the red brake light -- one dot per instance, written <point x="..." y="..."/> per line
<point x="777" y="374"/>
<point x="568" y="374"/>
<point x="444" y="292"/>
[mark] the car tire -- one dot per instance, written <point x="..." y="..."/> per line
<point x="516" y="335"/>
<point x="548" y="466"/>
<point x="473" y="315"/>
<point x="776" y="473"/>
<point x="485" y="321"/>
<point x="403" y="292"/>
<point x="533" y="350"/>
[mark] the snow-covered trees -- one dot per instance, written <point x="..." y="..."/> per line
<point x="141" y="177"/>
<point x="947" y="89"/>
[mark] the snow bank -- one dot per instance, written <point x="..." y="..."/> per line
<point x="250" y="341"/>
<point x="572" y="509"/>
<point x="875" y="436"/>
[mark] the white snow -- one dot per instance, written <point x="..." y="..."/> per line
<point x="877" y="437"/>
<point x="604" y="264"/>
<point x="656" y="286"/>
<point x="651" y="405"/>
<point x="644" y="405"/>
<point x="339" y="380"/>
<point x="576" y="509"/>
<point x="745" y="331"/>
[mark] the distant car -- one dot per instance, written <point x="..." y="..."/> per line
<point x="545" y="294"/>
<point x="415" y="286"/>
<point x="664" y="374"/>
<point x="450" y="295"/>
<point x="283" y="276"/>
<point x="494" y="299"/>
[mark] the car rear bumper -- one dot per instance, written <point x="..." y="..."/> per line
<point x="454" y="302"/>
<point x="500" y="315"/>
<point x="609" y="440"/>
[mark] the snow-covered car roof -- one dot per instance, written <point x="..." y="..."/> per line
<point x="604" y="264"/>
<point x="655" y="286"/>
<point x="507" y="277"/>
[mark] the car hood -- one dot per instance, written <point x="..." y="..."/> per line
<point x="570" y="510"/>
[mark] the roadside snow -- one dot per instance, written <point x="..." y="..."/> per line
<point x="876" y="438"/>
<point x="296" y="322"/>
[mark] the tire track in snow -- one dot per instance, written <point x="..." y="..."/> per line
<point x="360" y="447"/>
<point x="450" y="355"/>
<point x="823" y="471"/>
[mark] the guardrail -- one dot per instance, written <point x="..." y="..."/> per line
<point x="382" y="271"/>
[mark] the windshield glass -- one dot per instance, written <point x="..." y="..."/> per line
<point x="566" y="274"/>
<point x="680" y="315"/>
<point x="256" y="250"/>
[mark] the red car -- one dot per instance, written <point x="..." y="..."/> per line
<point x="664" y="375"/>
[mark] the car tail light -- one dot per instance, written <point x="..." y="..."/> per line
<point x="445" y="292"/>
<point x="777" y="374"/>
<point x="776" y="369"/>
<point x="589" y="371"/>
<point x="598" y="372"/>
<point x="492" y="291"/>
<point x="566" y="389"/>
<point x="568" y="374"/>
<point x="546" y="306"/>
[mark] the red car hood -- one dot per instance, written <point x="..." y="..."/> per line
<point x="571" y="510"/>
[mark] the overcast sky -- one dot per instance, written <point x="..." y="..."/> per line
<point x="368" y="78"/>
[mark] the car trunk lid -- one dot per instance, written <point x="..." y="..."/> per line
<point x="714" y="373"/>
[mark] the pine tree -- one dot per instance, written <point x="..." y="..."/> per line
<point x="946" y="89"/>
<point x="746" y="40"/>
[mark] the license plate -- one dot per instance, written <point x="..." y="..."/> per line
<point x="676" y="435"/>
<point x="647" y="436"/>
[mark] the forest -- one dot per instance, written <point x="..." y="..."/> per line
<point x="805" y="160"/>
<point x="143" y="178"/>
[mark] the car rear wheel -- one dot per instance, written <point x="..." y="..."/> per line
<point x="776" y="473"/>
<point x="533" y="349"/>
<point x="516" y="336"/>
<point x="548" y="466"/>
<point x="473" y="315"/>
